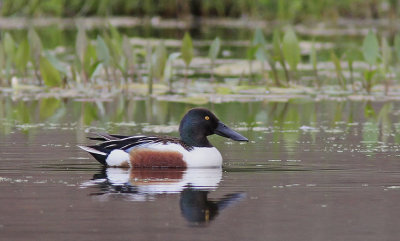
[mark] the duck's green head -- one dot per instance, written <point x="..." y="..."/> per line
<point x="198" y="123"/>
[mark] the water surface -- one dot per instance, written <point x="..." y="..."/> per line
<point x="325" y="170"/>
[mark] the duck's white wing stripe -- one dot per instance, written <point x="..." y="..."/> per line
<point x="91" y="150"/>
<point x="137" y="144"/>
<point x="128" y="138"/>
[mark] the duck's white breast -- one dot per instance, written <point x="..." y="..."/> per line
<point x="203" y="157"/>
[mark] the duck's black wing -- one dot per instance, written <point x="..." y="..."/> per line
<point x="101" y="150"/>
<point x="131" y="141"/>
<point x="112" y="142"/>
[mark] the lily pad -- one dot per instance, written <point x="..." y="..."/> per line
<point x="238" y="68"/>
<point x="194" y="100"/>
<point x="223" y="90"/>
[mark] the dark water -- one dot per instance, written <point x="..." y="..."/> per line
<point x="325" y="170"/>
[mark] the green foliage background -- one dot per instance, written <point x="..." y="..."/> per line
<point x="293" y="10"/>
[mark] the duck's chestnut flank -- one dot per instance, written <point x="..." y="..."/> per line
<point x="147" y="158"/>
<point x="192" y="149"/>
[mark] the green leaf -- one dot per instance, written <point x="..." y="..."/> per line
<point x="261" y="54"/>
<point x="369" y="74"/>
<point x="352" y="54"/>
<point x="35" y="44"/>
<point x="276" y="42"/>
<point x="22" y="56"/>
<point x="259" y="38"/>
<point x="128" y="50"/>
<point x="56" y="62"/>
<point x="214" y="49"/>
<point x="187" y="49"/>
<point x="336" y="62"/>
<point x="370" y="48"/>
<point x="50" y="74"/>
<point x="93" y="68"/>
<point x="313" y="56"/>
<point x="2" y="57"/>
<point x="90" y="60"/>
<point x="114" y="32"/>
<point x="251" y="52"/>
<point x="103" y="53"/>
<point x="168" y="71"/>
<point x="386" y="53"/>
<point x="160" y="60"/>
<point x="291" y="49"/>
<point x="115" y="49"/>
<point x="81" y="43"/>
<point x="9" y="46"/>
<point x="338" y="68"/>
<point x="397" y="46"/>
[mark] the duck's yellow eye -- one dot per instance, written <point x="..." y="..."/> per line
<point x="207" y="117"/>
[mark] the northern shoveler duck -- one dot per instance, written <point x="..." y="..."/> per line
<point x="192" y="149"/>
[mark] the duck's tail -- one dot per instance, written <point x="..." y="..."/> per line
<point x="99" y="155"/>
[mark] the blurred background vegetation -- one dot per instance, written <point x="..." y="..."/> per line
<point x="288" y="10"/>
<point x="207" y="46"/>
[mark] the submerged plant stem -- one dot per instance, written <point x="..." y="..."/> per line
<point x="150" y="85"/>
<point x="186" y="76"/>
<point x="317" y="80"/>
<point x="287" y="76"/>
<point x="275" y="73"/>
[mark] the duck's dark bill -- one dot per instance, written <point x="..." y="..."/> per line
<point x="227" y="132"/>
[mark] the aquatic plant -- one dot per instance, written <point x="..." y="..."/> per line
<point x="112" y="60"/>
<point x="386" y="56"/>
<point x="397" y="46"/>
<point x="351" y="55"/>
<point x="169" y="70"/>
<point x="128" y="64"/>
<point x="251" y="55"/>
<point x="187" y="53"/>
<point x="397" y="54"/>
<point x="370" y="50"/>
<point x="103" y="56"/>
<point x="291" y="51"/>
<point x="2" y="66"/>
<point x="22" y="56"/>
<point x="51" y="76"/>
<point x="261" y="52"/>
<point x="339" y="72"/>
<point x="9" y="52"/>
<point x="314" y="61"/>
<point x="277" y="56"/>
<point x="36" y="48"/>
<point x="113" y="41"/>
<point x="160" y="60"/>
<point x="81" y="46"/>
<point x="156" y="60"/>
<point x="213" y="54"/>
<point x="150" y="66"/>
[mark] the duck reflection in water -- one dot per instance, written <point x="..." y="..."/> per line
<point x="193" y="185"/>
